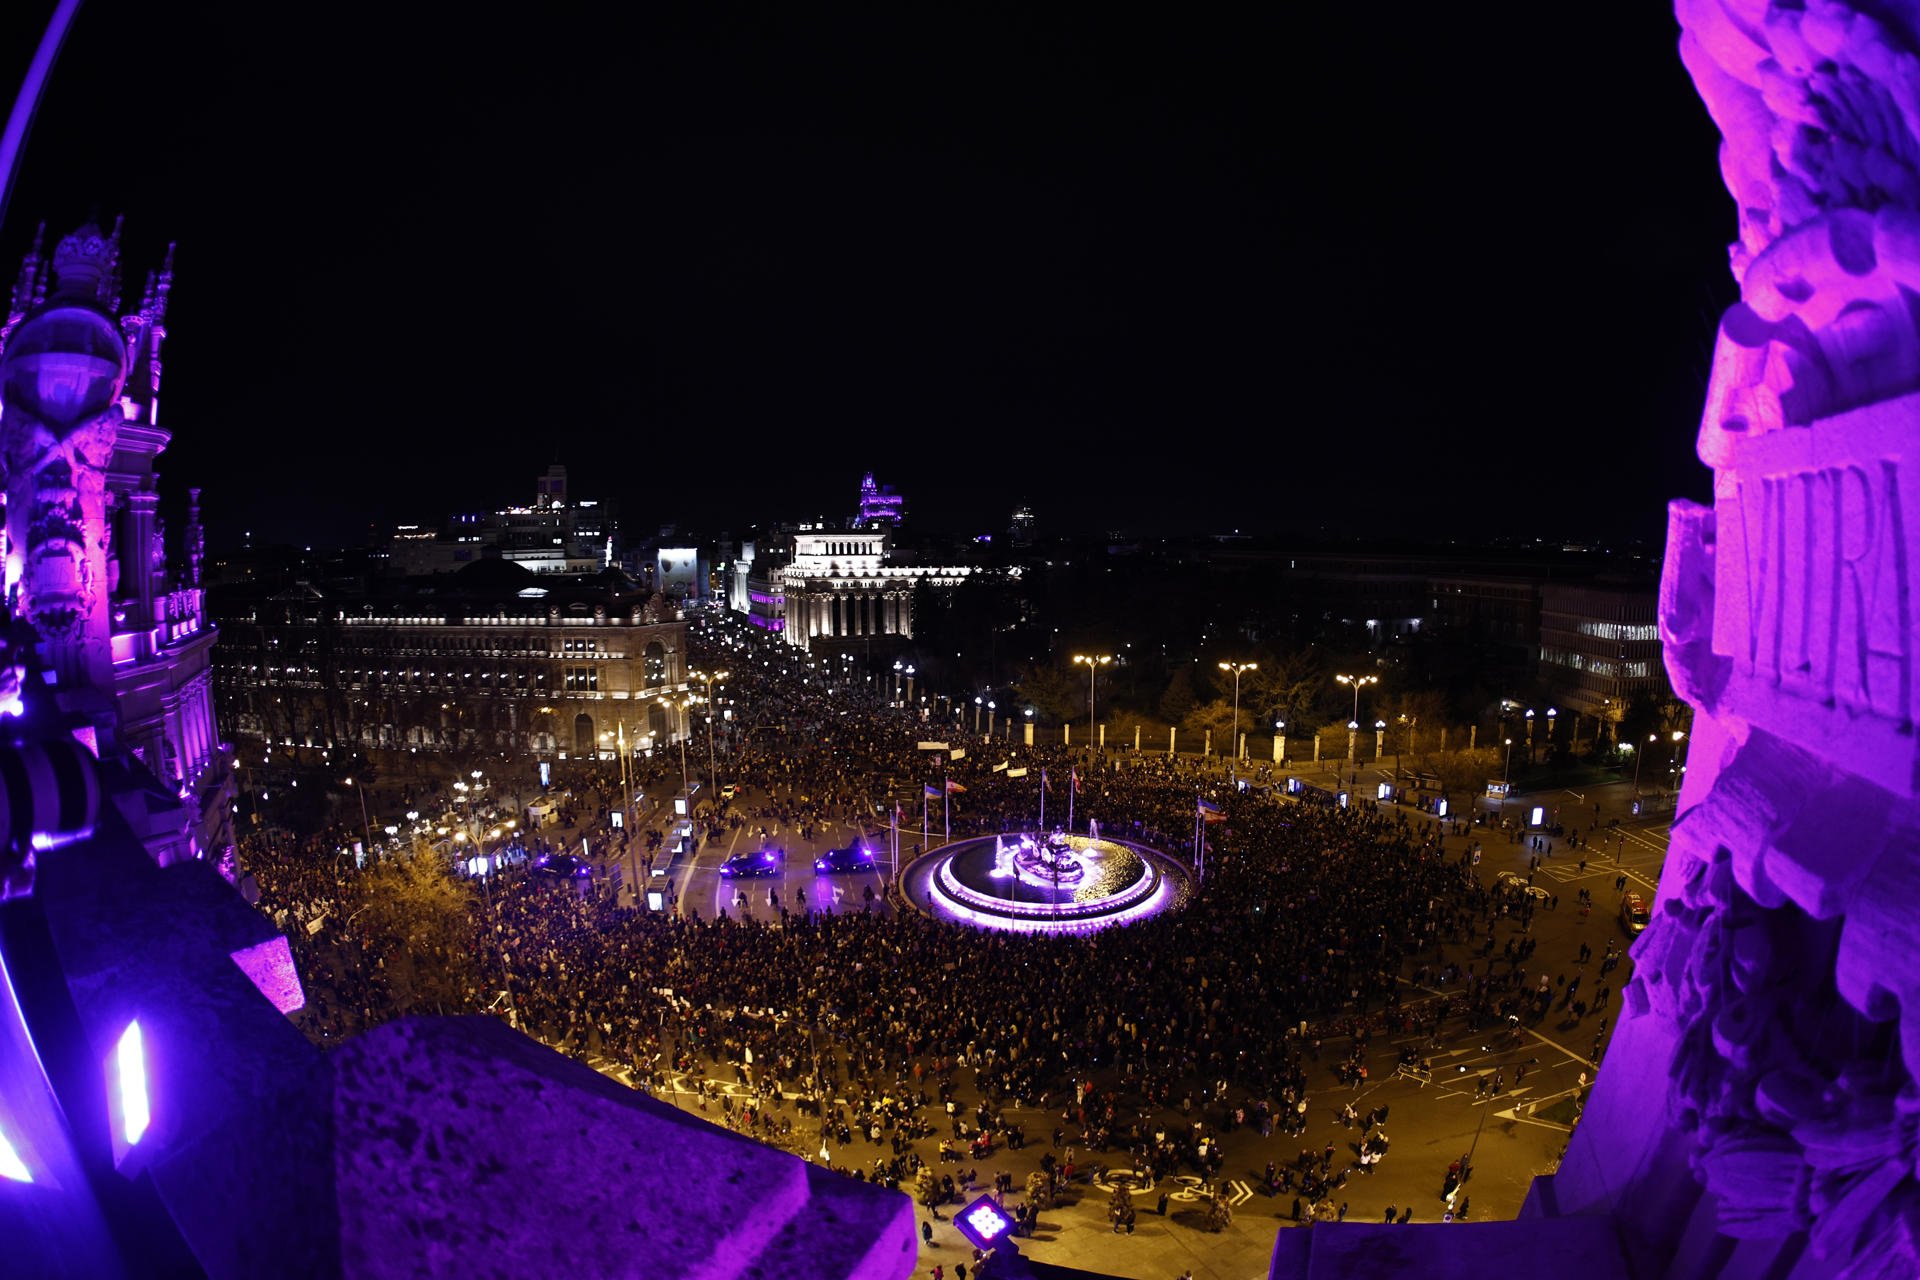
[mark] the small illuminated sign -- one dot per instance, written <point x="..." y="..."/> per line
<point x="1538" y="817"/>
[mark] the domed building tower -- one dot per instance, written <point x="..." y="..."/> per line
<point x="122" y="638"/>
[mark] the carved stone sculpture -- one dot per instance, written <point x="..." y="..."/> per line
<point x="62" y="372"/>
<point x="1776" y="987"/>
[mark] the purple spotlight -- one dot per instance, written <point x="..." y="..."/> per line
<point x="984" y="1223"/>
<point x="11" y="1165"/>
<point x="130" y="1062"/>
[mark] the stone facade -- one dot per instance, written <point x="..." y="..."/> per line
<point x="466" y="662"/>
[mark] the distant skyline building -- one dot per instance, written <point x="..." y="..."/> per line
<point x="555" y="534"/>
<point x="1020" y="529"/>
<point x="880" y="506"/>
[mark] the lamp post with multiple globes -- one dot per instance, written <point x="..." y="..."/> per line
<point x="1356" y="682"/>
<point x="1233" y="745"/>
<point x="1093" y="661"/>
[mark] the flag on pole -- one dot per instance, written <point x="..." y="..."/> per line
<point x="1043" y="781"/>
<point x="954" y="788"/>
<point x="932" y="790"/>
<point x="1211" y="812"/>
<point x="1073" y="777"/>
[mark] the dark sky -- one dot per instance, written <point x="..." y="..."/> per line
<point x="1327" y="268"/>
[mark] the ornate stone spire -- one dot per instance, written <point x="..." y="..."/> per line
<point x="31" y="281"/>
<point x="196" y="539"/>
<point x="113" y="266"/>
<point x="29" y="287"/>
<point x="83" y="266"/>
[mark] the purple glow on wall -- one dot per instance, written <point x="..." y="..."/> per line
<point x="269" y="966"/>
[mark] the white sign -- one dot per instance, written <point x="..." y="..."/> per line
<point x="932" y="746"/>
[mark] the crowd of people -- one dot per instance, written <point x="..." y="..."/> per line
<point x="900" y="1042"/>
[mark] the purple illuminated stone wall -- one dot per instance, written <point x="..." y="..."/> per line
<point x="1769" y="1009"/>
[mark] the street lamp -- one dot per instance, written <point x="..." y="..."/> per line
<point x="1551" y="713"/>
<point x="710" y="679"/>
<point x="1506" y="775"/>
<point x="898" y="668"/>
<point x="364" y="821"/>
<point x="1651" y="739"/>
<point x="1233" y="745"/>
<point x="1280" y="747"/>
<point x="909" y="683"/>
<point x="1379" y="739"/>
<point x="990" y="706"/>
<point x="1357" y="682"/>
<point x="1529" y="735"/>
<point x="681" y="704"/>
<point x="1094" y="662"/>
<point x="978" y="702"/>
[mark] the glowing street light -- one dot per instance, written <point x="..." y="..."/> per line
<point x="1651" y="739"/>
<point x="681" y="705"/>
<point x="710" y="679"/>
<point x="364" y="820"/>
<point x="1093" y="661"/>
<point x="1233" y="744"/>
<point x="1357" y="683"/>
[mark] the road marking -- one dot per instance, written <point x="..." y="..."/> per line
<point x="1562" y="1048"/>
<point x="1239" y="1193"/>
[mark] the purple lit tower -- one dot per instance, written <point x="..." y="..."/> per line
<point x="1770" y="1006"/>
<point x="879" y="504"/>
<point x="123" y="637"/>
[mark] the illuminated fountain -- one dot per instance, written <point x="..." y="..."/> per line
<point x="1054" y="883"/>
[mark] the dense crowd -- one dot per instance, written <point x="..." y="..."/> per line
<point x="1313" y="925"/>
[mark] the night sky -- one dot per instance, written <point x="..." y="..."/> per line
<point x="1337" y="268"/>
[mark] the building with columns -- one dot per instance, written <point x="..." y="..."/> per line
<point x="120" y="627"/>
<point x="839" y="585"/>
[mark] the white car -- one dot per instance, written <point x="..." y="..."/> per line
<point x="1519" y="882"/>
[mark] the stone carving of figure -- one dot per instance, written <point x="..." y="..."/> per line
<point x="1776" y="989"/>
